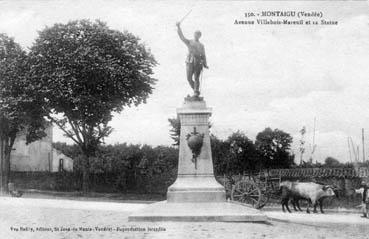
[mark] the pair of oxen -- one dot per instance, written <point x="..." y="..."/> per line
<point x="314" y="193"/>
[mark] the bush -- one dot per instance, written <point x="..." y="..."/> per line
<point x="129" y="167"/>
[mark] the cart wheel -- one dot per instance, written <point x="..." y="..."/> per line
<point x="264" y="198"/>
<point x="246" y="192"/>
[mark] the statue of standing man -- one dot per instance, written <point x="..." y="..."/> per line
<point x="195" y="60"/>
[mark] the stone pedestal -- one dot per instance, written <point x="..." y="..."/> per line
<point x="195" y="181"/>
<point x="196" y="195"/>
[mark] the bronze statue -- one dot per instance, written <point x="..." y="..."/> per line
<point x="195" y="60"/>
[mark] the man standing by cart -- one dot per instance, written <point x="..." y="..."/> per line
<point x="363" y="190"/>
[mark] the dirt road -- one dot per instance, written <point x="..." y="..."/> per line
<point x="48" y="218"/>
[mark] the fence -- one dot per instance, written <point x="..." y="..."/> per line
<point x="99" y="182"/>
<point x="296" y="173"/>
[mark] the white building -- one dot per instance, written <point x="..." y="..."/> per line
<point x="38" y="156"/>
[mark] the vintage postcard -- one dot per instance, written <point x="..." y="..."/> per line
<point x="184" y="119"/>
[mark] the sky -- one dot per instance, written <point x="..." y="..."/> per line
<point x="259" y="76"/>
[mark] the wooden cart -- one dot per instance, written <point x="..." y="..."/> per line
<point x="252" y="189"/>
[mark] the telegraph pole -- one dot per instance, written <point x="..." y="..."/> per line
<point x="349" y="148"/>
<point x="362" y="139"/>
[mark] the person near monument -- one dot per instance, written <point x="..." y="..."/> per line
<point x="365" y="200"/>
<point x="363" y="190"/>
<point x="196" y="59"/>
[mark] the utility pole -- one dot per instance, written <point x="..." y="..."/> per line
<point x="314" y="145"/>
<point x="302" y="144"/>
<point x="362" y="138"/>
<point x="314" y="132"/>
<point x="358" y="153"/>
<point x="349" y="148"/>
<point x="354" y="150"/>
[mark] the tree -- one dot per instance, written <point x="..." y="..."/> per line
<point x="86" y="71"/>
<point x="242" y="153"/>
<point x="220" y="153"/>
<point x="127" y="167"/>
<point x="70" y="150"/>
<point x="175" y="130"/>
<point x="273" y="147"/>
<point x="331" y="162"/>
<point x="236" y="154"/>
<point x="157" y="164"/>
<point x="20" y="108"/>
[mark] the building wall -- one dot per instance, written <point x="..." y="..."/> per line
<point x="67" y="163"/>
<point x="37" y="156"/>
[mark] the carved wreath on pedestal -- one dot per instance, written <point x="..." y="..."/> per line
<point x="195" y="141"/>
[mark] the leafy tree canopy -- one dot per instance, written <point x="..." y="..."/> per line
<point x="220" y="152"/>
<point x="235" y="155"/>
<point x="20" y="110"/>
<point x="331" y="162"/>
<point x="86" y="71"/>
<point x="175" y="130"/>
<point x="273" y="147"/>
<point x="243" y="154"/>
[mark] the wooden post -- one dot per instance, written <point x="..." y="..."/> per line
<point x="349" y="148"/>
<point x="362" y="138"/>
<point x="354" y="150"/>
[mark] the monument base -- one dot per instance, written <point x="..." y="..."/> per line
<point x="196" y="188"/>
<point x="198" y="212"/>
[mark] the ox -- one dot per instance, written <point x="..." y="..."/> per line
<point x="312" y="192"/>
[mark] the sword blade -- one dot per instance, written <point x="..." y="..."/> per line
<point x="183" y="18"/>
